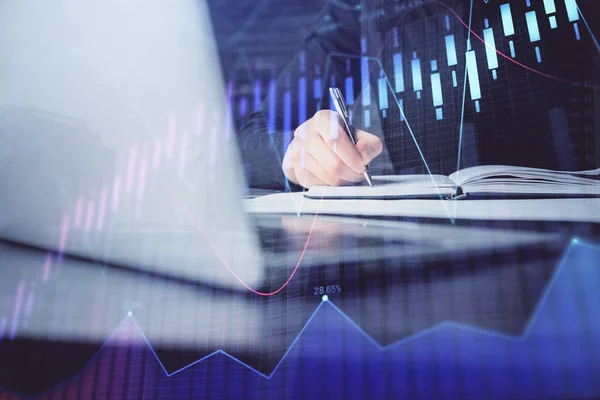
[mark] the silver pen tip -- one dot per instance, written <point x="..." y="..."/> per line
<point x="368" y="178"/>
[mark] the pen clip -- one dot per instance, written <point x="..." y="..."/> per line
<point x="338" y="102"/>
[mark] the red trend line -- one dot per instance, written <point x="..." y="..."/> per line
<point x="224" y="262"/>
<point x="556" y="78"/>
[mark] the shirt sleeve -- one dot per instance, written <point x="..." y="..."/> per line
<point x="265" y="136"/>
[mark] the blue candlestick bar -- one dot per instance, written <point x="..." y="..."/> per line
<point x="401" y="103"/>
<point x="572" y="12"/>
<point x="416" y="75"/>
<point x="364" y="76"/>
<point x="383" y="99"/>
<point x="532" y="26"/>
<point x="549" y="6"/>
<point x="317" y="88"/>
<point x="490" y="48"/>
<point x="272" y="104"/>
<point x="451" y="50"/>
<point x="349" y="90"/>
<point x="473" y="75"/>
<point x="398" y="73"/>
<point x="243" y="106"/>
<point x="302" y="102"/>
<point x="287" y="119"/>
<point x="367" y="118"/>
<point x="257" y="95"/>
<point x="507" y="20"/>
<point x="332" y="84"/>
<point x="436" y="89"/>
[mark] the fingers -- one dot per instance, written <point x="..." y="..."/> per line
<point x="368" y="145"/>
<point x="329" y="126"/>
<point x="331" y="162"/>
<point x="307" y="178"/>
<point x="322" y="153"/>
<point x="300" y="159"/>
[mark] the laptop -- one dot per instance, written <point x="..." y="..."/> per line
<point x="120" y="137"/>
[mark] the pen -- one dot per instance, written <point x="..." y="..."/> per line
<point x="340" y="107"/>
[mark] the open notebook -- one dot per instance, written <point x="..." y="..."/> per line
<point x="481" y="181"/>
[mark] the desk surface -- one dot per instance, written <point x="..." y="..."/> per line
<point x="496" y="317"/>
<point x="579" y="210"/>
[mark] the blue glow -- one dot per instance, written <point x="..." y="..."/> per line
<point x="257" y="95"/>
<point x="494" y="74"/>
<point x="287" y="119"/>
<point x="398" y="72"/>
<point x="395" y="37"/>
<point x="477" y="106"/>
<point x="473" y="75"/>
<point x="553" y="24"/>
<point x="416" y="75"/>
<point x="537" y="54"/>
<point x="436" y="90"/>
<point x="507" y="21"/>
<point x="439" y="114"/>
<point x="272" y="103"/>
<point x="576" y="31"/>
<point x="433" y="65"/>
<point x="367" y="118"/>
<point x="302" y="100"/>
<point x="572" y="269"/>
<point x="451" y="50"/>
<point x="243" y="106"/>
<point x="572" y="12"/>
<point x="349" y="90"/>
<point x="490" y="48"/>
<point x="419" y="95"/>
<point x="383" y="100"/>
<point x="363" y="45"/>
<point x="528" y="3"/>
<point x="454" y="81"/>
<point x="486" y="23"/>
<point x="532" y="26"/>
<point x="325" y="297"/>
<point x="364" y="75"/>
<point x="512" y="48"/>
<point x="549" y="6"/>
<point x="317" y="89"/>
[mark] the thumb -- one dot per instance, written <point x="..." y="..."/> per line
<point x="368" y="145"/>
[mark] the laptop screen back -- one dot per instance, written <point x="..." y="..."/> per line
<point x="117" y="141"/>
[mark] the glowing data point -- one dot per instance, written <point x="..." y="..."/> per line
<point x="129" y="313"/>
<point x="324" y="298"/>
<point x="575" y="241"/>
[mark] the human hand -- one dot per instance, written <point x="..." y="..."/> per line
<point x="321" y="152"/>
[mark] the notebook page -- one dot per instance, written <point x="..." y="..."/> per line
<point x="472" y="174"/>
